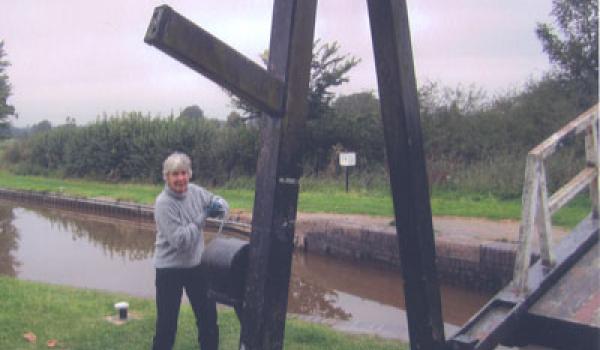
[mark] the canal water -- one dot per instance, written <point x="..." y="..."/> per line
<point x="105" y="253"/>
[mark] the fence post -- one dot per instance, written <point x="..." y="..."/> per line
<point x="529" y="203"/>
<point x="544" y="219"/>
<point x="592" y="155"/>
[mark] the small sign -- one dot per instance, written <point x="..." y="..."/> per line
<point x="348" y="158"/>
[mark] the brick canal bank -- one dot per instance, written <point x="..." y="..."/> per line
<point x="477" y="254"/>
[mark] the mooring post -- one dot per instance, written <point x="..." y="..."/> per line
<point x="408" y="175"/>
<point x="277" y="179"/>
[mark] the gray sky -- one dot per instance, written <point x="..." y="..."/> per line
<point x="83" y="58"/>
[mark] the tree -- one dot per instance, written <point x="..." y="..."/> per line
<point x="329" y="69"/>
<point x="234" y="119"/>
<point x="574" y="49"/>
<point x="192" y="112"/>
<point x="352" y="123"/>
<point x="6" y="110"/>
<point x="42" y="126"/>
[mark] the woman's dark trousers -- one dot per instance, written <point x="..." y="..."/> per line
<point x="170" y="283"/>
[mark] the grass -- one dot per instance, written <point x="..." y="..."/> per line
<point x="75" y="318"/>
<point x="139" y="193"/>
<point x="314" y="197"/>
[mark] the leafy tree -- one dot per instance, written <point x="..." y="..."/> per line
<point x="192" y="112"/>
<point x="42" y="126"/>
<point x="234" y="119"/>
<point x="352" y="123"/>
<point x="6" y="110"/>
<point x="574" y="49"/>
<point x="329" y="69"/>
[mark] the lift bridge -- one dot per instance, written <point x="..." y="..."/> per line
<point x="554" y="302"/>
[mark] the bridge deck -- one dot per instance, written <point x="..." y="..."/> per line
<point x="576" y="296"/>
<point x="561" y="309"/>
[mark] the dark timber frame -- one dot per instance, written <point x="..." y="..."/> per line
<point x="281" y="92"/>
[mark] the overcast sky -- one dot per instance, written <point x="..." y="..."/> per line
<point x="83" y="58"/>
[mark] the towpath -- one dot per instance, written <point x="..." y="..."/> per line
<point x="454" y="228"/>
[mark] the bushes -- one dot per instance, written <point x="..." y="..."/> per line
<point x="133" y="147"/>
<point x="471" y="142"/>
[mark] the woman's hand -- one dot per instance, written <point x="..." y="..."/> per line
<point x="217" y="208"/>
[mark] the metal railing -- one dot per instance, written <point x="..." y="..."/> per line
<point x="538" y="206"/>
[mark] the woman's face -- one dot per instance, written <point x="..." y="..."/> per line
<point x="178" y="180"/>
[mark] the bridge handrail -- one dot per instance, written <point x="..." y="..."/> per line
<point x="538" y="207"/>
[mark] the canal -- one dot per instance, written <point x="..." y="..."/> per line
<point x="90" y="251"/>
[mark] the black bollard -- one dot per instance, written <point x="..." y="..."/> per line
<point x="122" y="307"/>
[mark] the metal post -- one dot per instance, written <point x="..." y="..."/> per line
<point x="408" y="176"/>
<point x="346" y="169"/>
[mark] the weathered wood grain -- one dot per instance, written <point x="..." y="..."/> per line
<point x="575" y="127"/>
<point x="275" y="203"/>
<point x="186" y="42"/>
<point x="572" y="188"/>
<point x="408" y="177"/>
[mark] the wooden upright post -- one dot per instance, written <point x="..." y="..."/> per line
<point x="278" y="172"/>
<point x="408" y="176"/>
<point x="592" y="155"/>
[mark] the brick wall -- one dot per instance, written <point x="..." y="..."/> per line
<point x="483" y="266"/>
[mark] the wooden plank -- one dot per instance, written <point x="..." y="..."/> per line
<point x="478" y="334"/>
<point x="576" y="126"/>
<point x="572" y="188"/>
<point x="408" y="176"/>
<point x="183" y="40"/>
<point x="552" y="333"/>
<point x="275" y="203"/>
<point x="576" y="296"/>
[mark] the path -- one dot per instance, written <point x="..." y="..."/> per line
<point x="446" y="227"/>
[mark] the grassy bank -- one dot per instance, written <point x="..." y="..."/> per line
<point x="76" y="319"/>
<point x="314" y="197"/>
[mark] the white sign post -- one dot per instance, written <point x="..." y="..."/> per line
<point x="347" y="159"/>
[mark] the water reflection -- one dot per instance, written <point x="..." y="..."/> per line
<point x="130" y="239"/>
<point x="8" y="242"/>
<point x="83" y="250"/>
<point x="312" y="299"/>
<point x="380" y="291"/>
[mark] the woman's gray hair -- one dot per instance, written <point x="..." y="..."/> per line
<point x="177" y="161"/>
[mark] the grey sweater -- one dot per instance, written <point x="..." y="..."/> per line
<point x="179" y="226"/>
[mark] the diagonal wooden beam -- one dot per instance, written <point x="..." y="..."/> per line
<point x="408" y="175"/>
<point x="186" y="42"/>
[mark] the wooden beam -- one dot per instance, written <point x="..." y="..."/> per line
<point x="572" y="188"/>
<point x="408" y="176"/>
<point x="278" y="170"/>
<point x="574" y="127"/>
<point x="183" y="40"/>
